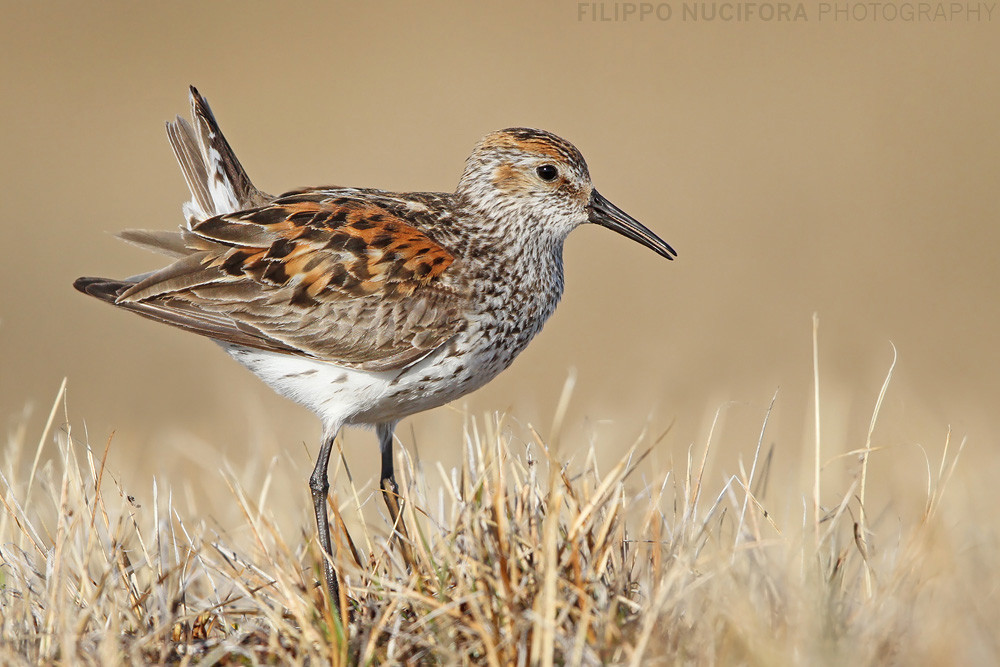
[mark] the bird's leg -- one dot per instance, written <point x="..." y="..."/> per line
<point x="390" y="490"/>
<point x="320" y="486"/>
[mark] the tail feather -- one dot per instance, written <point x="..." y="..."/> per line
<point x="172" y="244"/>
<point x="215" y="177"/>
<point x="187" y="150"/>
<point x="183" y="315"/>
<point x="218" y="185"/>
<point x="229" y="176"/>
<point x="180" y="243"/>
<point x="105" y="289"/>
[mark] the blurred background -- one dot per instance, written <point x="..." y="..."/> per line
<point x="839" y="165"/>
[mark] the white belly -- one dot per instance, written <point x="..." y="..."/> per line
<point x="340" y="395"/>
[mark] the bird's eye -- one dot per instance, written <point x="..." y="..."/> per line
<point x="547" y="172"/>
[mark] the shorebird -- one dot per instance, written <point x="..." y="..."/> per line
<point x="363" y="305"/>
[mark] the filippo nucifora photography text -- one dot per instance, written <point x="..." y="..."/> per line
<point x="787" y="12"/>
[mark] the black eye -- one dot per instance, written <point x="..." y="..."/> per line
<point x="547" y="172"/>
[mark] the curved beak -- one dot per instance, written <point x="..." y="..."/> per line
<point x="606" y="214"/>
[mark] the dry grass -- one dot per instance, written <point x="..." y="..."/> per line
<point x="514" y="558"/>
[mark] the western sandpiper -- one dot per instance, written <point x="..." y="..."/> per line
<point x="364" y="305"/>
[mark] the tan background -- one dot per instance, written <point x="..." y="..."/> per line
<point x="848" y="169"/>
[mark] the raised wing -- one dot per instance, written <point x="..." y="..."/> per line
<point x="332" y="277"/>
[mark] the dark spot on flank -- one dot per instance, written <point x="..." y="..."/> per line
<point x="438" y="260"/>
<point x="337" y="241"/>
<point x="337" y="218"/>
<point x="355" y="245"/>
<point x="302" y="299"/>
<point x="271" y="215"/>
<point x="337" y="276"/>
<point x="280" y="248"/>
<point x="422" y="251"/>
<point x="422" y="270"/>
<point x="234" y="263"/>
<point x="276" y="273"/>
<point x="381" y="241"/>
<point x="365" y="223"/>
<point x="212" y="226"/>
<point x="302" y="218"/>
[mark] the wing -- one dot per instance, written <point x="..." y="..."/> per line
<point x="335" y="278"/>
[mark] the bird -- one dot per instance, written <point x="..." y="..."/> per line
<point x="364" y="305"/>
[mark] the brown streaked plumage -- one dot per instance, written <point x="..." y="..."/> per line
<point x="364" y="305"/>
<point x="275" y="277"/>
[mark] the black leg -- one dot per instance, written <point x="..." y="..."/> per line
<point x="320" y="486"/>
<point x="390" y="490"/>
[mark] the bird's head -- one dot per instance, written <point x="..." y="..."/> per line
<point x="522" y="174"/>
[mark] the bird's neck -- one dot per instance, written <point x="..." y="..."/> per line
<point x="514" y="264"/>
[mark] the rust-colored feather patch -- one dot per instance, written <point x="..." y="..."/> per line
<point x="535" y="142"/>
<point x="319" y="274"/>
<point x="341" y="244"/>
<point x="508" y="179"/>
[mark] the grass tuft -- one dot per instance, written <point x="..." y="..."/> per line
<point x="512" y="559"/>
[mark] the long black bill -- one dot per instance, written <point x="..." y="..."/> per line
<point x="606" y="214"/>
